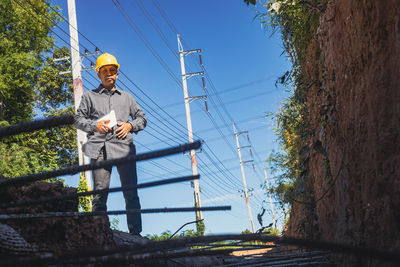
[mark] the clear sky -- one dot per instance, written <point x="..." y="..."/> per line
<point x="242" y="62"/>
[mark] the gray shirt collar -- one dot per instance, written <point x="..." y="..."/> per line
<point x="103" y="90"/>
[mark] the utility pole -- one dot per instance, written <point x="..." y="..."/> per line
<point x="270" y="199"/>
<point x="76" y="67"/>
<point x="244" y="177"/>
<point x="185" y="76"/>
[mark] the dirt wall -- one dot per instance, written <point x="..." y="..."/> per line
<point x="353" y="65"/>
<point x="56" y="235"/>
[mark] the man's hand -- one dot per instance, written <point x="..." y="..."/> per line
<point x="123" y="130"/>
<point x="102" y="126"/>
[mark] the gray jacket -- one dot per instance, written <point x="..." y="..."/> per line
<point x="99" y="102"/>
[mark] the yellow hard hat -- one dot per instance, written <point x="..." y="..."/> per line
<point x="106" y="59"/>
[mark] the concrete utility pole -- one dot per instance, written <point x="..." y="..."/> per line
<point x="76" y="67"/>
<point x="270" y="199"/>
<point x="185" y="76"/>
<point x="244" y="178"/>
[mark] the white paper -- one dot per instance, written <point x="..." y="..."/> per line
<point x="110" y="116"/>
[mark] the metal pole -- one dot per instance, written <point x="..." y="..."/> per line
<point x="244" y="180"/>
<point x="76" y="68"/>
<point x="197" y="202"/>
<point x="270" y="199"/>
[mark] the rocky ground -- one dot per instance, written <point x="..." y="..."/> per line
<point x="60" y="237"/>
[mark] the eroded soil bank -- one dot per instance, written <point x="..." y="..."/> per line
<point x="353" y="65"/>
<point x="55" y="235"/>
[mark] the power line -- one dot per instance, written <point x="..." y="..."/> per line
<point x="162" y="121"/>
<point x="212" y="101"/>
<point x="145" y="41"/>
<point x="174" y="137"/>
<point x="150" y="20"/>
<point x="242" y="99"/>
<point x="221" y="104"/>
<point x="213" y="128"/>
<point x="155" y="26"/>
<point x="225" y="91"/>
<point x="209" y="115"/>
<point x="252" y="129"/>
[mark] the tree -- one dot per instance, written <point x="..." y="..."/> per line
<point x="24" y="41"/>
<point x="248" y="2"/>
<point x="30" y="83"/>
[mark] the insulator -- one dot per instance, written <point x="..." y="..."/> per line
<point x="204" y="82"/>
<point x="201" y="60"/>
<point x="86" y="51"/>
<point x="91" y="64"/>
<point x="205" y="102"/>
<point x="97" y="50"/>
<point x="248" y="138"/>
<point x="251" y="153"/>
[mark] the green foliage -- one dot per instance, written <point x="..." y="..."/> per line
<point x="23" y="44"/>
<point x="163" y="236"/>
<point x="190" y="233"/>
<point x="16" y="160"/>
<point x="297" y="22"/>
<point x="292" y="131"/>
<point x="54" y="91"/>
<point x="114" y="223"/>
<point x="274" y="232"/>
<point x="248" y="2"/>
<point x="29" y="82"/>
<point x="246" y="232"/>
<point x="200" y="227"/>
<point x="167" y="235"/>
<point x="85" y="202"/>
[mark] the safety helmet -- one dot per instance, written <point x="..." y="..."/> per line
<point x="106" y="59"/>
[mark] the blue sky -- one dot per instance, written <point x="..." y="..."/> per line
<point x="242" y="61"/>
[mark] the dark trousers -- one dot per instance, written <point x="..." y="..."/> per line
<point x="128" y="177"/>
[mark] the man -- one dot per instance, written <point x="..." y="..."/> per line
<point x="107" y="142"/>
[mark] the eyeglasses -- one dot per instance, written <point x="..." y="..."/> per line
<point x="104" y="71"/>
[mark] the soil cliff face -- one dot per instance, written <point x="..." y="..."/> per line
<point x="56" y="235"/>
<point x="353" y="65"/>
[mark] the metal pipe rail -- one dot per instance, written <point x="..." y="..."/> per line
<point x="261" y="260"/>
<point x="100" y="164"/>
<point x="100" y="191"/>
<point x="305" y="243"/>
<point x="30" y="126"/>
<point x="164" y="249"/>
<point x="5" y="217"/>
